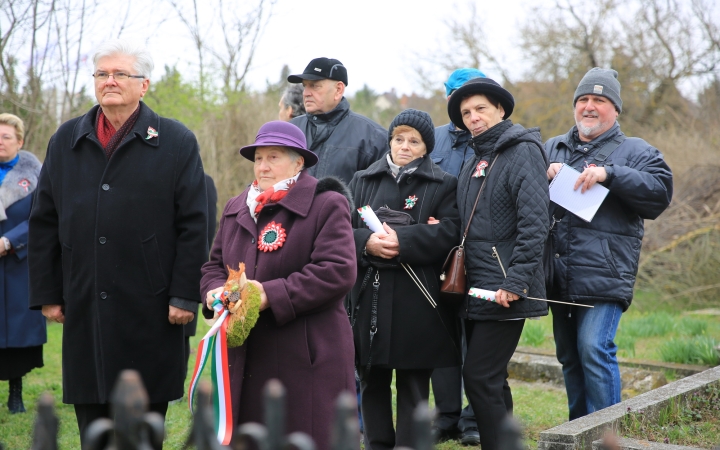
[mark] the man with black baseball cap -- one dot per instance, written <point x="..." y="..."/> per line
<point x="344" y="141"/>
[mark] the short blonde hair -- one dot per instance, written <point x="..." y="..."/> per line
<point x="15" y="122"/>
<point x="404" y="129"/>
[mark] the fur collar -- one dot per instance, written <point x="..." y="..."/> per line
<point x="336" y="185"/>
<point x="20" y="182"/>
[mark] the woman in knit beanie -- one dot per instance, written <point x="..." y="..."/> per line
<point x="399" y="322"/>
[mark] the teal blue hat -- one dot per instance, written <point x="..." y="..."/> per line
<point x="459" y="77"/>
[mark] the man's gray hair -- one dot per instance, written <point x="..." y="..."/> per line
<point x="293" y="97"/>
<point x="143" y="60"/>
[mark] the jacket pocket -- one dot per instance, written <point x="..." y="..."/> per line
<point x="153" y="267"/>
<point x="66" y="269"/>
<point x="312" y="351"/>
<point x="609" y="258"/>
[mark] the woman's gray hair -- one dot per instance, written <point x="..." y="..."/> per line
<point x="293" y="155"/>
<point x="143" y="60"/>
<point x="293" y="97"/>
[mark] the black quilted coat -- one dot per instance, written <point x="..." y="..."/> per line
<point x="512" y="217"/>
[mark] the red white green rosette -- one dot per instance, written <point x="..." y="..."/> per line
<point x="272" y="237"/>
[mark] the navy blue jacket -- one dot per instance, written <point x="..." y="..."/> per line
<point x="598" y="261"/>
<point x="451" y="148"/>
<point x="19" y="326"/>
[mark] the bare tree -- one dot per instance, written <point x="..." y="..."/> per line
<point x="239" y="33"/>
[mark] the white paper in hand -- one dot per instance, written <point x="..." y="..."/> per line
<point x="583" y="205"/>
<point x="371" y="220"/>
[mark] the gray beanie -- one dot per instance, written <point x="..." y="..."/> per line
<point x="601" y="82"/>
<point x="419" y="120"/>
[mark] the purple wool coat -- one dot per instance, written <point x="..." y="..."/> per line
<point x="304" y="338"/>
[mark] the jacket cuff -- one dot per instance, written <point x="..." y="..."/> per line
<point x="279" y="301"/>
<point x="187" y="305"/>
<point x="610" y="171"/>
<point x="517" y="287"/>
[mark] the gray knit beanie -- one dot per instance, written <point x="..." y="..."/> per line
<point x="601" y="82"/>
<point x="421" y="121"/>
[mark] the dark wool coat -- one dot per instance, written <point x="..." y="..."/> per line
<point x="511" y="216"/>
<point x="304" y="337"/>
<point x="112" y="241"/>
<point x="354" y="142"/>
<point x="598" y="261"/>
<point x="411" y="333"/>
<point x="19" y="326"/>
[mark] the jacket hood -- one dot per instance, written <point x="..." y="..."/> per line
<point x="518" y="134"/>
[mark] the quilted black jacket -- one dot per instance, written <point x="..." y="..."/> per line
<point x="512" y="217"/>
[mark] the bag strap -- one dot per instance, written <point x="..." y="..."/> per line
<point x="609" y="147"/>
<point x="472" y="213"/>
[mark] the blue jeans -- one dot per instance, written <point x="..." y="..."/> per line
<point x="585" y="348"/>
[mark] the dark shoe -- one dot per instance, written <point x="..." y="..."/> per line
<point x="15" y="403"/>
<point x="442" y="435"/>
<point x="471" y="436"/>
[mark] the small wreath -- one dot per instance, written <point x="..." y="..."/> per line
<point x="272" y="237"/>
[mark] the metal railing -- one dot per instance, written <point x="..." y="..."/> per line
<point x="134" y="428"/>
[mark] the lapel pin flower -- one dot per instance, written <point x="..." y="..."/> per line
<point x="410" y="202"/>
<point x="272" y="237"/>
<point x="25" y="184"/>
<point x="480" y="169"/>
<point x="152" y="133"/>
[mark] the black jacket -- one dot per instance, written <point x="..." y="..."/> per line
<point x="344" y="141"/>
<point x="511" y="216"/>
<point x="411" y="333"/>
<point x="598" y="261"/>
<point x="112" y="241"/>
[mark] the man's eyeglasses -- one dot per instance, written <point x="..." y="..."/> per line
<point x="118" y="76"/>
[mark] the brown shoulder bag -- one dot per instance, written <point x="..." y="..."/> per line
<point x="453" y="285"/>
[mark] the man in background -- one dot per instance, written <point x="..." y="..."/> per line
<point x="344" y="141"/>
<point x="595" y="262"/>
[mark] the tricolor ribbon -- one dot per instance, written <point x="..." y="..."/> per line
<point x="215" y="343"/>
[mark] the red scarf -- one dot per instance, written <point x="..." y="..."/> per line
<point x="270" y="196"/>
<point x="109" y="137"/>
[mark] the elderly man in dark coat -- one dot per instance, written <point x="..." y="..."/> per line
<point x="304" y="269"/>
<point x="118" y="233"/>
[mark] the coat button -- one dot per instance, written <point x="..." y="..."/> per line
<point x="409" y="180"/>
<point x="103" y="295"/>
<point x="557" y="255"/>
<point x="524" y="291"/>
<point x="102" y="240"/>
<point x="252" y="240"/>
<point x="105" y="187"/>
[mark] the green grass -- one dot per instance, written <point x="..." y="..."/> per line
<point x="16" y="429"/>
<point x="694" y="350"/>
<point x="533" y="334"/>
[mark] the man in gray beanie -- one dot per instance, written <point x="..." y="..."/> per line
<point x="595" y="263"/>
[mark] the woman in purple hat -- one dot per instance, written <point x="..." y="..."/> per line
<point x="303" y="269"/>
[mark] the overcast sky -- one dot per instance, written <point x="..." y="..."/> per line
<point x="375" y="39"/>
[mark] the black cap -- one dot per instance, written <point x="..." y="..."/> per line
<point x="321" y="69"/>
<point x="479" y="86"/>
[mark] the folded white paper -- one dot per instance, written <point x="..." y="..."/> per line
<point x="371" y="220"/>
<point x="584" y="205"/>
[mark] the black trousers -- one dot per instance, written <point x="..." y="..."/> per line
<point x="87" y="413"/>
<point x="491" y="344"/>
<point x="412" y="386"/>
<point x="448" y="392"/>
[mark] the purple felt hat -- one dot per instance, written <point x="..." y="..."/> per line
<point x="283" y="134"/>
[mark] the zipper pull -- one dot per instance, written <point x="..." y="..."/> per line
<point x="496" y="255"/>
